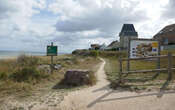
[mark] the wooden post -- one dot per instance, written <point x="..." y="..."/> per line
<point x="158" y="59"/>
<point x="169" y="66"/>
<point x="51" y="60"/>
<point x="158" y="62"/>
<point x="128" y="61"/>
<point x="120" y="72"/>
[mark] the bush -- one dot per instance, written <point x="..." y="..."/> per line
<point x="26" y="74"/>
<point x="75" y="60"/>
<point x="26" y="69"/>
<point x="112" y="53"/>
<point x="94" y="53"/>
<point x="24" y="60"/>
<point x="3" y="76"/>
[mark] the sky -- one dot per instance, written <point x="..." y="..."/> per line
<point x="31" y="25"/>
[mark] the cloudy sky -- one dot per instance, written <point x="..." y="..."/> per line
<point x="30" y="25"/>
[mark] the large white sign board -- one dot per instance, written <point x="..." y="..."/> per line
<point x="143" y="48"/>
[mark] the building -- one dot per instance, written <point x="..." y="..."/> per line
<point x="103" y="46"/>
<point x="95" y="47"/>
<point x="115" y="45"/>
<point x="166" y="36"/>
<point x="98" y="47"/>
<point x="128" y="31"/>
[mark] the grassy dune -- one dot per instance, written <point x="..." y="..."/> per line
<point x="22" y="76"/>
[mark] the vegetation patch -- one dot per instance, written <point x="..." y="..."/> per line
<point x="3" y="76"/>
<point x="97" y="53"/>
<point x="27" y="74"/>
<point x="23" y="75"/>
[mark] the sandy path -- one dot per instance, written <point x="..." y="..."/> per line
<point x="40" y="101"/>
<point x="101" y="97"/>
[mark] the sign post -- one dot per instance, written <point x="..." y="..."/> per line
<point x="51" y="51"/>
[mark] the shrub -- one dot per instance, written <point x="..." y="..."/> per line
<point x="80" y="52"/>
<point x="112" y="53"/>
<point x="75" y="60"/>
<point x="24" y="60"/>
<point x="3" y="76"/>
<point x="25" y="74"/>
<point x="94" y="53"/>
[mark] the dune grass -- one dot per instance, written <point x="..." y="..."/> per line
<point x="21" y="75"/>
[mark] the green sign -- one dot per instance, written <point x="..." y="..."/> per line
<point x="51" y="50"/>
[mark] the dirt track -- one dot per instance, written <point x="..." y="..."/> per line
<point x="101" y="97"/>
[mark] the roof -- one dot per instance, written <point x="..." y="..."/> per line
<point x="128" y="30"/>
<point x="114" y="44"/>
<point x="167" y="32"/>
<point x="92" y="45"/>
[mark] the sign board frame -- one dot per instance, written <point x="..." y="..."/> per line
<point x="155" y="45"/>
<point x="52" y="50"/>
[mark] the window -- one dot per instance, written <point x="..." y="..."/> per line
<point x="165" y="41"/>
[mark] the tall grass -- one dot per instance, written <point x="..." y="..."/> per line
<point x="27" y="69"/>
<point x="24" y="60"/>
<point x="115" y="54"/>
<point x="20" y="73"/>
<point x="27" y="74"/>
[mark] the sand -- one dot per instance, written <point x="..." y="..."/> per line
<point x="101" y="97"/>
<point x="98" y="97"/>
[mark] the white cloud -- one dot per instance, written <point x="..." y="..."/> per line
<point x="32" y="24"/>
<point x="90" y="21"/>
<point x="18" y="29"/>
<point x="169" y="10"/>
<point x="104" y="15"/>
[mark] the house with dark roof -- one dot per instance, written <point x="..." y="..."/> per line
<point x="166" y="36"/>
<point x="115" y="45"/>
<point x="95" y="47"/>
<point x="128" y="31"/>
<point x="98" y="47"/>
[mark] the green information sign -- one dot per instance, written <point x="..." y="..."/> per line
<point x="51" y="50"/>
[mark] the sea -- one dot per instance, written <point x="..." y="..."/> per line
<point x="13" y="54"/>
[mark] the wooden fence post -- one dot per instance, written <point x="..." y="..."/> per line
<point x="169" y="66"/>
<point x="158" y="61"/>
<point x="128" y="61"/>
<point x="120" y="72"/>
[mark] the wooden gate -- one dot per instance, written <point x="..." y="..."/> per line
<point x="169" y="68"/>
